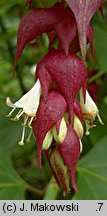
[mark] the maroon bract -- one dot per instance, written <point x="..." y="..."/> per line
<point x="38" y="21"/>
<point x="70" y="152"/>
<point x="57" y="163"/>
<point x="47" y="154"/>
<point x="66" y="31"/>
<point x="83" y="11"/>
<point x="68" y="73"/>
<point x="90" y="35"/>
<point x="58" y="20"/>
<point x="78" y="110"/>
<point x="94" y="87"/>
<point x="49" y="112"/>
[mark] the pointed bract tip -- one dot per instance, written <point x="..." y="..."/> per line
<point x="74" y="183"/>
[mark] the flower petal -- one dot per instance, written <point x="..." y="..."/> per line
<point x="30" y="101"/>
<point x="9" y="103"/>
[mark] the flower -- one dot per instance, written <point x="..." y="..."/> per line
<point x="28" y="105"/>
<point x="90" y="111"/>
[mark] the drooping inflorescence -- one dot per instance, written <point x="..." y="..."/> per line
<point x="58" y="107"/>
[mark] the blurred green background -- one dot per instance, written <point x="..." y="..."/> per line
<point x="19" y="174"/>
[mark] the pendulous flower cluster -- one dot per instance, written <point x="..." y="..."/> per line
<point x="58" y="106"/>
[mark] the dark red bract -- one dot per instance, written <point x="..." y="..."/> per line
<point x="49" y="112"/>
<point x="68" y="73"/>
<point x="38" y="21"/>
<point x="70" y="152"/>
<point x="57" y="21"/>
<point x="83" y="11"/>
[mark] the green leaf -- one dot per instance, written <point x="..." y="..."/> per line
<point x="100" y="131"/>
<point x="92" y="169"/>
<point x="12" y="186"/>
<point x="100" y="45"/>
<point x="52" y="190"/>
<point x="10" y="133"/>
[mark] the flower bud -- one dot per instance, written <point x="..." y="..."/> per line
<point x="59" y="137"/>
<point x="47" y="140"/>
<point x="78" y="127"/>
<point x="60" y="170"/>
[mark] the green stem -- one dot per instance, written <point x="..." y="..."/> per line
<point x="10" y="50"/>
<point x="52" y="190"/>
<point x="35" y="191"/>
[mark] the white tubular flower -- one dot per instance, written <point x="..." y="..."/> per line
<point x="28" y="105"/>
<point x="48" y="140"/>
<point x="59" y="138"/>
<point x="90" y="111"/>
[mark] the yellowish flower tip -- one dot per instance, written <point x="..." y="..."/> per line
<point x="81" y="146"/>
<point x="59" y="138"/>
<point x="78" y="127"/>
<point x="47" y="140"/>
